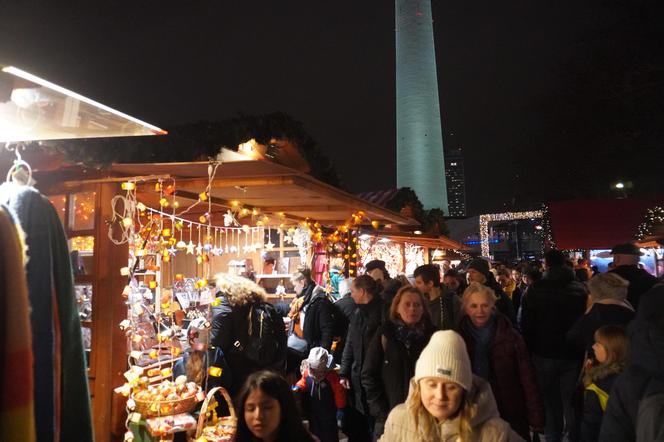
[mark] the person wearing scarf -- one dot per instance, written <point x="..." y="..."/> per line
<point x="392" y="353"/>
<point x="608" y="305"/>
<point x="499" y="355"/>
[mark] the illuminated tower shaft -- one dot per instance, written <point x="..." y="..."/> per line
<point x="420" y="162"/>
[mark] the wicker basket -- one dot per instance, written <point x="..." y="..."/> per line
<point x="227" y="423"/>
<point x="166" y="408"/>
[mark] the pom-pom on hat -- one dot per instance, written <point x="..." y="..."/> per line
<point x="445" y="356"/>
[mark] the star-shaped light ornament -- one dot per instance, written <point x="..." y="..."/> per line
<point x="269" y="246"/>
<point x="172" y="251"/>
<point x="190" y="248"/>
<point x="199" y="249"/>
<point x="217" y="251"/>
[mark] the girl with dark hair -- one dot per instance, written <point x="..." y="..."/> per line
<point x="267" y="412"/>
<point x="391" y="356"/>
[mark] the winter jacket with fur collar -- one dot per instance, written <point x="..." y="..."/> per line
<point x="486" y="422"/>
<point x="598" y="381"/>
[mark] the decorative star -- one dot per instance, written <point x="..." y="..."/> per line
<point x="199" y="249"/>
<point x="217" y="251"/>
<point x="269" y="246"/>
<point x="190" y="248"/>
<point x="207" y="247"/>
<point x="172" y="251"/>
<point x="233" y="249"/>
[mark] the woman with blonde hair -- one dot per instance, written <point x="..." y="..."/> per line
<point x="608" y="305"/>
<point x="390" y="361"/>
<point x="446" y="402"/>
<point x="499" y="355"/>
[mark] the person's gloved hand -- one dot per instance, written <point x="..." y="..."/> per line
<point x="341" y="418"/>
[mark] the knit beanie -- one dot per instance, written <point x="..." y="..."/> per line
<point x="445" y="356"/>
<point x="481" y="265"/>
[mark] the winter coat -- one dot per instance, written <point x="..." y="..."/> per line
<point x="228" y="327"/>
<point x="328" y="394"/>
<point x="448" y="307"/>
<point x="599" y="381"/>
<point x="388" y="368"/>
<point x="550" y="308"/>
<point x="485" y="422"/>
<point x="346" y="305"/>
<point x="511" y="375"/>
<point x="390" y="289"/>
<point x="503" y="302"/>
<point x="640" y="282"/>
<point x="365" y="322"/>
<point x="318" y="326"/>
<point x="582" y="333"/>
<point x="646" y="362"/>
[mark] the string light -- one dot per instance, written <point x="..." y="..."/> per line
<point x="508" y="216"/>
<point x="654" y="217"/>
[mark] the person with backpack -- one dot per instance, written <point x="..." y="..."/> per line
<point x="610" y="351"/>
<point x="637" y="395"/>
<point x="246" y="328"/>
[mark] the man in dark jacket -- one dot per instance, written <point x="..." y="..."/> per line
<point x="364" y="323"/>
<point x="550" y="308"/>
<point x="313" y="311"/>
<point x="478" y="271"/>
<point x="626" y="264"/>
<point x="377" y="270"/>
<point x="444" y="306"/>
<point x="644" y="375"/>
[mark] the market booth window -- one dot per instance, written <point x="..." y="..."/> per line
<point x="60" y="204"/>
<point x="82" y="211"/>
<point x="81" y="251"/>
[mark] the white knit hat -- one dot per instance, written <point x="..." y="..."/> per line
<point x="445" y="356"/>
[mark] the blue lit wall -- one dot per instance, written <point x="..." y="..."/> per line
<point x="420" y="162"/>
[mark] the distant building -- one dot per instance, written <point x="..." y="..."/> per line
<point x="456" y="182"/>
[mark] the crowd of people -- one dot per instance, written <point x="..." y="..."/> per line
<point x="555" y="352"/>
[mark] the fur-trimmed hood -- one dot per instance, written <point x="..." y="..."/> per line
<point x="602" y="371"/>
<point x="239" y="291"/>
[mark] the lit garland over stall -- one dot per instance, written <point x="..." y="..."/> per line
<point x="654" y="217"/>
<point x="509" y="216"/>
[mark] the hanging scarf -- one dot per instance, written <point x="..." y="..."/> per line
<point x="409" y="335"/>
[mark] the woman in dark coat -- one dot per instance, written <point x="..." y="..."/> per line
<point x="499" y="354"/>
<point x="609" y="306"/>
<point x="392" y="353"/>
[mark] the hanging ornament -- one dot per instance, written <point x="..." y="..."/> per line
<point x="229" y="219"/>
<point x="190" y="245"/>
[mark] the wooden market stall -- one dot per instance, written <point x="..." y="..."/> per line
<point x="84" y="198"/>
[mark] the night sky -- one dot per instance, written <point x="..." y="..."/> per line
<point x="327" y="64"/>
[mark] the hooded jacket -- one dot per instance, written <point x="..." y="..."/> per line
<point x="550" y="308"/>
<point x="646" y="363"/>
<point x="511" y="375"/>
<point x="485" y="421"/>
<point x="598" y="381"/>
<point x="229" y="325"/>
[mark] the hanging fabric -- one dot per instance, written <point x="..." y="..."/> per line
<point x="17" y="419"/>
<point x="61" y="398"/>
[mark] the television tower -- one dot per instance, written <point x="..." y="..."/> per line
<point x="420" y="158"/>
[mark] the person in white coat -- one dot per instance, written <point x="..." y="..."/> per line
<point x="446" y="402"/>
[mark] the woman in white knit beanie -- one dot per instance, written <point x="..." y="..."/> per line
<point x="446" y="402"/>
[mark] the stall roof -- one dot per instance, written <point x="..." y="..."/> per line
<point x="271" y="187"/>
<point x="597" y="224"/>
<point x="33" y="109"/>
<point x="429" y="241"/>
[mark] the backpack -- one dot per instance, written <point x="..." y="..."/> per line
<point x="266" y="336"/>
<point x="649" y="424"/>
